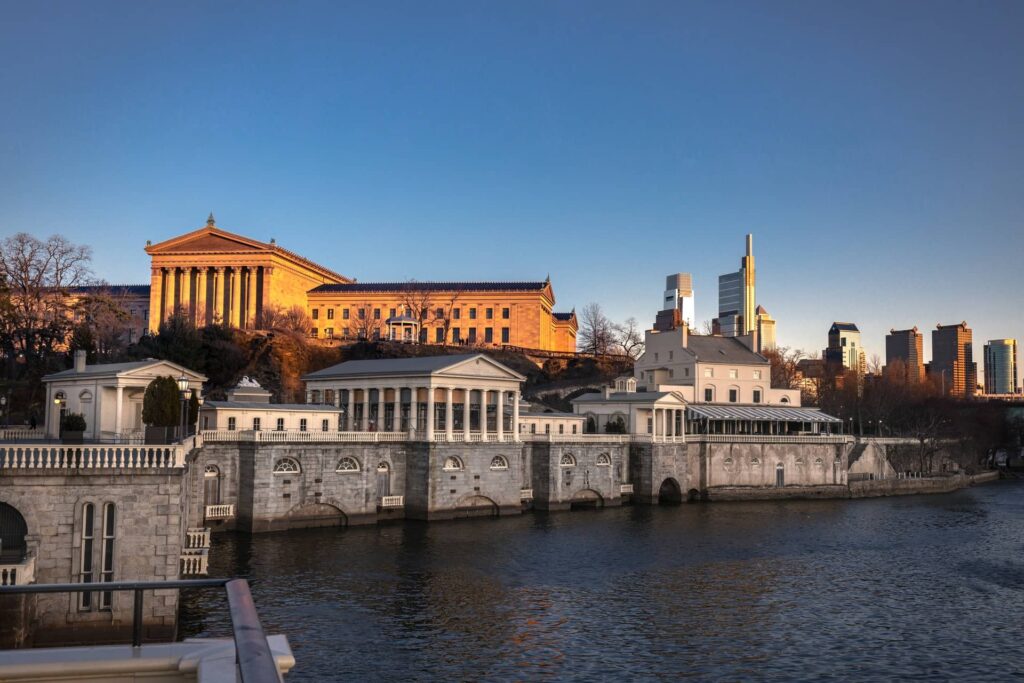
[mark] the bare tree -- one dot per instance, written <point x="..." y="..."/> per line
<point x="447" y="313"/>
<point x="706" y="328"/>
<point x="596" y="333"/>
<point x="417" y="302"/>
<point x="366" y="325"/>
<point x="103" y="318"/>
<point x="629" y="339"/>
<point x="785" y="370"/>
<point x="294" y="319"/>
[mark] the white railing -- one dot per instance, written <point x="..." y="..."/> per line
<point x="22" y="434"/>
<point x="197" y="538"/>
<point x="297" y="436"/>
<point x="769" y="438"/>
<point x="220" y="511"/>
<point x="625" y="488"/>
<point x="392" y="501"/>
<point x="131" y="436"/>
<point x="475" y="437"/>
<point x="578" y="438"/>
<point x="68" y="457"/>
<point x="195" y="562"/>
<point x="650" y="438"/>
<point x="525" y="494"/>
<point x="18" y="574"/>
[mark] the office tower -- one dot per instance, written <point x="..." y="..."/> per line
<point x="953" y="360"/>
<point x="736" y="315"/>
<point x="844" y="349"/>
<point x="1001" y="366"/>
<point x="765" y="327"/>
<point x="679" y="296"/>
<point x="906" y="346"/>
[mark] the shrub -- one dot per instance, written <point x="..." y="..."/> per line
<point x="161" y="405"/>
<point x="616" y="426"/>
<point x="73" y="422"/>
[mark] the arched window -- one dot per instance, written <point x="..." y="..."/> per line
<point x="755" y="461"/>
<point x="383" y="467"/>
<point x="784" y="399"/>
<point x="13" y="530"/>
<point x="567" y="460"/>
<point x="211" y="471"/>
<point x="451" y="464"/>
<point x="211" y="485"/>
<point x="818" y="462"/>
<point x="347" y="464"/>
<point x="286" y="466"/>
<point x="85" y="396"/>
<point x="727" y="464"/>
<point x="499" y="462"/>
<point x="603" y="460"/>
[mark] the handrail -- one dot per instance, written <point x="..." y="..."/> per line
<point x="252" y="652"/>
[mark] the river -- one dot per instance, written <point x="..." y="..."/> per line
<point x="917" y="587"/>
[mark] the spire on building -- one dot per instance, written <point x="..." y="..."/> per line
<point x="211" y="221"/>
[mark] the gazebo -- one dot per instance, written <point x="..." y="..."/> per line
<point x="403" y="328"/>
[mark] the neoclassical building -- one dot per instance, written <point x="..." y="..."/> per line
<point x="218" y="277"/>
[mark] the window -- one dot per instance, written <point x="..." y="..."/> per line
<point x="206" y="421"/>
<point x="439" y="314"/>
<point x="231" y="424"/>
<point x="757" y="374"/>
<point x="709" y="372"/>
<point x="734" y="395"/>
<point x="784" y="399"/>
<point x="547" y="429"/>
<point x="107" y="563"/>
<point x="505" y="333"/>
<point x="452" y="464"/>
<point x="256" y="424"/>
<point x="533" y="429"/>
<point x="302" y="425"/>
<point x="456" y="335"/>
<point x="603" y="460"/>
<point x="655" y="356"/>
<point x="472" y="335"/>
<point x="376" y="314"/>
<point x="489" y="335"/>
<point x="347" y="464"/>
<point x="391" y="313"/>
<point x="456" y="313"/>
<point x="757" y="395"/>
<point x="709" y="394"/>
<point x="505" y="313"/>
<point x="362" y="314"/>
<point x="670" y="355"/>
<point x="328" y="333"/>
<point x="316" y="314"/>
<point x="439" y="335"/>
<point x="344" y="314"/>
<point x="755" y="461"/>
<point x="561" y="428"/>
<point x="567" y="460"/>
<point x="324" y="425"/>
<point x="499" y="462"/>
<point x="314" y="333"/>
<point x="286" y="466"/>
<point x="330" y="314"/>
<point x="574" y="427"/>
<point x="472" y="314"/>
<point x="85" y="574"/>
<point x="734" y="374"/>
<point x="280" y="424"/>
<point x="489" y="313"/>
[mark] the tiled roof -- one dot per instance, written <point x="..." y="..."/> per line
<point x="423" y="365"/>
<point x="137" y="290"/>
<point x="432" y="287"/>
<point x="716" y="349"/>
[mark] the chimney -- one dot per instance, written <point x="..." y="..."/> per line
<point x="607" y="392"/>
<point x="80" y="360"/>
<point x="685" y="334"/>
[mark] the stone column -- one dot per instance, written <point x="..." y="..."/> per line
<point x="186" y="293"/>
<point x="466" y="394"/>
<point x="449" y="415"/>
<point x="234" y="297"/>
<point x="201" y="297"/>
<point x="156" y="299"/>
<point x="218" y="295"/>
<point x="515" y="414"/>
<point x="117" y="412"/>
<point x="265" y="291"/>
<point x="500" y="412"/>
<point x="413" y="404"/>
<point x="483" y="415"/>
<point x="430" y="413"/>
<point x="250" y="303"/>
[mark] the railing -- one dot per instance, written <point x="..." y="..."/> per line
<point x="525" y="494"/>
<point x="579" y="438"/>
<point x="475" y="437"/>
<point x="197" y="538"/>
<point x="625" y="488"/>
<point x="220" y="511"/>
<point x="650" y="438"/>
<point x="67" y="457"/>
<point x="392" y="501"/>
<point x="255" y="661"/>
<point x="769" y="438"/>
<point x="296" y="436"/>
<point x="22" y="434"/>
<point x="18" y="574"/>
<point x="131" y="436"/>
<point x="195" y="562"/>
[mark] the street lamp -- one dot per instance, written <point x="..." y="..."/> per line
<point x="183" y="389"/>
<point x="59" y="400"/>
<point x="199" y="401"/>
<point x="3" y="409"/>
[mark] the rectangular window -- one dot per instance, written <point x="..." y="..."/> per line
<point x="547" y="429"/>
<point x="533" y="429"/>
<point x="561" y="429"/>
<point x="344" y="314"/>
<point x="472" y="335"/>
<point x="734" y="374"/>
<point x="88" y="529"/>
<point x="316" y="316"/>
<point x="709" y="395"/>
<point x="456" y="313"/>
<point x="456" y="335"/>
<point x="733" y="396"/>
<point x="362" y="314"/>
<point x="107" y="563"/>
<point x="505" y="313"/>
<point x="489" y="313"/>
<point x="231" y="423"/>
<point x="256" y="424"/>
<point x="757" y="395"/>
<point x="655" y="356"/>
<point x="439" y="335"/>
<point x="574" y="429"/>
<point x="472" y="314"/>
<point x="314" y="333"/>
<point x="302" y="425"/>
<point x="330" y="314"/>
<point x="328" y="333"/>
<point x="670" y="355"/>
<point x="206" y="421"/>
<point x="280" y="424"/>
<point x="323" y="426"/>
<point x="757" y="374"/>
<point x="505" y="333"/>
<point x="391" y="314"/>
<point x="489" y="335"/>
<point x="376" y="314"/>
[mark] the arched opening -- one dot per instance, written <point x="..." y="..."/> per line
<point x="692" y="496"/>
<point x="476" y="506"/>
<point x="669" y="493"/>
<point x="780" y="475"/>
<point x="316" y="515"/>
<point x="383" y="479"/>
<point x="211" y="485"/>
<point x="586" y="499"/>
<point x="13" y="530"/>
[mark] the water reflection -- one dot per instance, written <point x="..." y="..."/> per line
<point x="793" y="590"/>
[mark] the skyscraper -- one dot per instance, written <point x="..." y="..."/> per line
<point x="679" y="296"/>
<point x="844" y="349"/>
<point x="953" y="360"/>
<point x="765" y="325"/>
<point x="1001" y="366"/>
<point x="906" y="347"/>
<point x="736" y="302"/>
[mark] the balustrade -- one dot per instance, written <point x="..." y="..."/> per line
<point x="392" y="501"/>
<point x="18" y="574"/>
<point x="220" y="511"/>
<point x="66" y="457"/>
<point x="197" y="538"/>
<point x="195" y="563"/>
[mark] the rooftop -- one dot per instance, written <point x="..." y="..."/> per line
<point x="422" y="365"/>
<point x="717" y="349"/>
<point x="432" y="287"/>
<point x="752" y="412"/>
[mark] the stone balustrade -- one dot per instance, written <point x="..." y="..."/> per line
<point x="18" y="574"/>
<point x="220" y="511"/>
<point x="392" y="501"/>
<point x="298" y="436"/>
<point x="195" y="562"/>
<point x="197" y="538"/>
<point x="525" y="494"/>
<point x="92" y="457"/>
<point x="625" y="488"/>
<point x="19" y="434"/>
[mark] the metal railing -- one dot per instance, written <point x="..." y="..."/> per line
<point x="252" y="652"/>
<point x="18" y="573"/>
<point x="220" y="511"/>
<point x="768" y="438"/>
<point x="75" y="457"/>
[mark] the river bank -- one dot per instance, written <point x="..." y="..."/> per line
<point x="857" y="489"/>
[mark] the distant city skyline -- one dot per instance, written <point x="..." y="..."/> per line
<point x="876" y="158"/>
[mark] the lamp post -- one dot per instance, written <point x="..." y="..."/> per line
<point x="199" y="400"/>
<point x="59" y="401"/>
<point x="3" y="409"/>
<point x="183" y="390"/>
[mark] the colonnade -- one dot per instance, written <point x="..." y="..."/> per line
<point x="405" y="414"/>
<point x="228" y="295"/>
<point x="667" y="422"/>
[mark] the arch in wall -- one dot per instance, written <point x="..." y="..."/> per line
<point x="670" y="493"/>
<point x="13" y="530"/>
<point x="475" y="506"/>
<point x="586" y="499"/>
<point x="326" y="513"/>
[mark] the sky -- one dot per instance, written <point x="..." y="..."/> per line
<point x="874" y="149"/>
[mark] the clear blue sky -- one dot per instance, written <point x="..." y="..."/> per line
<point x="875" y="149"/>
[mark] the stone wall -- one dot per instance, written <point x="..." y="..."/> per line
<point x="567" y="474"/>
<point x="666" y="472"/>
<point x="487" y="481"/>
<point x="758" y="464"/>
<point x="149" y="531"/>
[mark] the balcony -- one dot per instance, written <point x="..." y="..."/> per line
<point x="28" y="457"/>
<point x="195" y="562"/>
<point x="625" y="488"/>
<point x="392" y="501"/>
<point x="18" y="573"/>
<point x="219" y="511"/>
<point x="197" y="538"/>
<point x="525" y="494"/>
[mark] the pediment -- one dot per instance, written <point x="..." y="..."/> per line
<point x="207" y="240"/>
<point x="483" y="367"/>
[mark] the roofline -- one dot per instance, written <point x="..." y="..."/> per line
<point x="148" y="363"/>
<point x="428" y="373"/>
